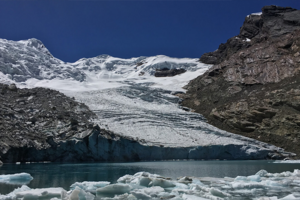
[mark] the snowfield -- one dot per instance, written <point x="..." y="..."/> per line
<point x="128" y="99"/>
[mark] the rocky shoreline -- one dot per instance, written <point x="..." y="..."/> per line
<point x="253" y="89"/>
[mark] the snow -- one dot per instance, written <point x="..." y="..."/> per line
<point x="124" y="93"/>
<point x="257" y="187"/>
<point x="16" y="179"/>
<point x="258" y="13"/>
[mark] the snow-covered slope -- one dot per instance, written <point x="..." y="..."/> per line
<point x="26" y="59"/>
<point x="128" y="99"/>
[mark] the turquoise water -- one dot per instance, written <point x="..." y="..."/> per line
<point x="63" y="175"/>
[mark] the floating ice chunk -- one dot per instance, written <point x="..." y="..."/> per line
<point x="219" y="193"/>
<point x="153" y="191"/>
<point x="12" y="195"/>
<point x="197" y="182"/>
<point x="192" y="197"/>
<point x="90" y="186"/>
<point x="140" y="195"/>
<point x="120" y="197"/>
<point x="16" y="179"/>
<point x="291" y="196"/>
<point x="185" y="180"/>
<point x="181" y="185"/>
<point x="144" y="181"/>
<point x="147" y="174"/>
<point x="79" y="194"/>
<point x="74" y="195"/>
<point x="287" y="161"/>
<point x="117" y="188"/>
<point x="125" y="179"/>
<point x="253" y="178"/>
<point x="283" y="174"/>
<point x="140" y="178"/>
<point x="161" y="182"/>
<point x="246" y="185"/>
<point x="44" y="193"/>
<point x="262" y="173"/>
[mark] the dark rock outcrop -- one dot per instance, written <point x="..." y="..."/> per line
<point x="168" y="72"/>
<point x="253" y="88"/>
<point x="29" y="117"/>
<point x="274" y="22"/>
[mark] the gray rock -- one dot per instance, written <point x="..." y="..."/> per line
<point x="254" y="90"/>
<point x="12" y="87"/>
<point x="275" y="21"/>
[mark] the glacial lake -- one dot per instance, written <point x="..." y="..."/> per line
<point x="63" y="175"/>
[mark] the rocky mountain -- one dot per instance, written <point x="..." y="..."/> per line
<point x="253" y="88"/>
<point x="107" y="109"/>
<point x="40" y="124"/>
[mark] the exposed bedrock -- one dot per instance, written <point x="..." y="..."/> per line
<point x="255" y="91"/>
<point x="274" y="22"/>
<point x="165" y="72"/>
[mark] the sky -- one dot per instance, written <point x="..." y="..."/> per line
<point x="74" y="29"/>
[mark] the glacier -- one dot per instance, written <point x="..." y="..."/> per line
<point x="131" y="102"/>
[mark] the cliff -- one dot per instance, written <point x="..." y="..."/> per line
<point x="253" y="88"/>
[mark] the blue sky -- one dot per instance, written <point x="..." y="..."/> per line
<point x="73" y="29"/>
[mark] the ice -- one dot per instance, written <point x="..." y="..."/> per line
<point x="140" y="195"/>
<point x="254" y="178"/>
<point x="16" y="179"/>
<point x="162" y="183"/>
<point x="43" y="193"/>
<point x="262" y="173"/>
<point x="12" y="195"/>
<point x="90" y="186"/>
<point x="80" y="194"/>
<point x="153" y="191"/>
<point x="261" y="186"/>
<point x="128" y="99"/>
<point x="287" y="161"/>
<point x="118" y="188"/>
<point x="192" y="197"/>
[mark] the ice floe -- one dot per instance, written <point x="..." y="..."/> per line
<point x="89" y="186"/>
<point x="16" y="179"/>
<point x="144" y="185"/>
<point x="287" y="161"/>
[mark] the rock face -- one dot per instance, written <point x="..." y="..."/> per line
<point x="168" y="72"/>
<point x="273" y="22"/>
<point x="29" y="118"/>
<point x="253" y="89"/>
